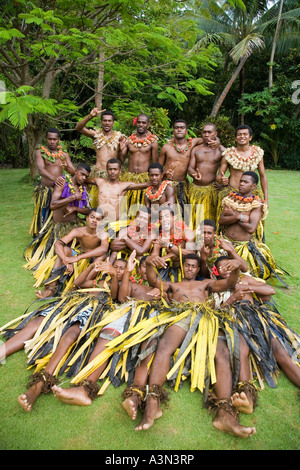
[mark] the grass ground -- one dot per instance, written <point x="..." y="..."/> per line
<point x="185" y="425"/>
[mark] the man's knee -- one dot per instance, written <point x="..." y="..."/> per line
<point x="72" y="333"/>
<point x="222" y="352"/>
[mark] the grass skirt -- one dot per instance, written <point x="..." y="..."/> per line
<point x="41" y="249"/>
<point x="203" y="201"/>
<point x="41" y="213"/>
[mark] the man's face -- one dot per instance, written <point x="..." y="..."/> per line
<point x="52" y="140"/>
<point x="209" y="133"/>
<point x="166" y="220"/>
<point x="243" y="137"/>
<point x="120" y="267"/>
<point x="207" y="234"/>
<point x="180" y="130"/>
<point x="155" y="176"/>
<point x="142" y="124"/>
<point x="143" y="271"/>
<point x="246" y="185"/>
<point x="107" y="122"/>
<point x="190" y="269"/>
<point x="81" y="175"/>
<point x="93" y="219"/>
<point x="142" y="219"/>
<point x="113" y="171"/>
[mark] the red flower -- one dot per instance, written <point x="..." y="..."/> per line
<point x="134" y="121"/>
<point x="215" y="271"/>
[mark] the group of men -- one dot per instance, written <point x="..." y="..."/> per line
<point x="174" y="232"/>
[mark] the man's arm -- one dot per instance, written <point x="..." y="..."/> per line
<point x="98" y="252"/>
<point x="69" y="165"/>
<point x="60" y="244"/>
<point x="125" y="286"/>
<point x="154" y="151"/>
<point x="221" y="178"/>
<point x="163" y="155"/>
<point x="81" y="126"/>
<point x="221" y="285"/>
<point x="151" y="263"/>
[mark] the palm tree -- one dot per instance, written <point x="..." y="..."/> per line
<point x="239" y="32"/>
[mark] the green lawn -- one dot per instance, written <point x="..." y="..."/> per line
<point x="185" y="425"/>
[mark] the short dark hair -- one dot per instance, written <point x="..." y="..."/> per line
<point x="84" y="165"/>
<point x="114" y="160"/>
<point x="180" y="120"/>
<point x="243" y="126"/>
<point x="144" y="114"/>
<point x="96" y="209"/>
<point x="210" y="124"/>
<point x="156" y="165"/>
<point x="218" y="260"/>
<point x="253" y="175"/>
<point x="53" y="130"/>
<point x="143" y="259"/>
<point x="209" y="222"/>
<point x="144" y="209"/>
<point x="107" y="113"/>
<point x="192" y="256"/>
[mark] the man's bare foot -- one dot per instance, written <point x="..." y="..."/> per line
<point x="225" y="422"/>
<point x="152" y="412"/>
<point x="130" y="405"/>
<point x="73" y="395"/>
<point x="26" y="400"/>
<point x="242" y="402"/>
<point x="43" y="295"/>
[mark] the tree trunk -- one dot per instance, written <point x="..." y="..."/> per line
<point x="99" y="92"/>
<point x="274" y="45"/>
<point x="225" y="92"/>
<point x="34" y="139"/>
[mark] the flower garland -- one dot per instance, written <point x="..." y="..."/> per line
<point x="215" y="252"/>
<point x="71" y="185"/>
<point x="156" y="196"/>
<point x="138" y="280"/>
<point x="52" y="156"/>
<point x="132" y="231"/>
<point x="178" y="235"/>
<point x="149" y="139"/>
<point x="189" y="144"/>
<point x="242" y="203"/>
<point x="111" y="141"/>
<point x="239" y="162"/>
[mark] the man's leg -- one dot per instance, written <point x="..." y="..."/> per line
<point x="285" y="362"/>
<point x="85" y="393"/>
<point x="42" y="382"/>
<point x="16" y="342"/>
<point x="170" y="341"/>
<point x="226" y="418"/>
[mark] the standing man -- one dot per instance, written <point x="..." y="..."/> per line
<point x="51" y="160"/>
<point x="107" y="143"/>
<point x="175" y="158"/>
<point x="243" y="157"/>
<point x="142" y="149"/>
<point x="203" y="167"/>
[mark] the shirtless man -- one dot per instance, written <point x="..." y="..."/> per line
<point x="93" y="242"/>
<point x="106" y="140"/>
<point x="159" y="192"/>
<point x="241" y="215"/>
<point x="137" y="236"/>
<point x="111" y="191"/>
<point x="51" y="161"/>
<point x="243" y="158"/>
<point x="186" y="290"/>
<point x="203" y="167"/>
<point x="69" y="198"/>
<point x="141" y="147"/>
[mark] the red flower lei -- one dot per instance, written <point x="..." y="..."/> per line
<point x="236" y="196"/>
<point x="142" y="142"/>
<point x="52" y="156"/>
<point x="133" y="233"/>
<point x="156" y="196"/>
<point x="178" y="235"/>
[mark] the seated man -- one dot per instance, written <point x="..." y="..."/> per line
<point x="69" y="199"/>
<point x="191" y="291"/>
<point x="91" y="243"/>
<point x="174" y="240"/>
<point x="90" y="307"/>
<point x="160" y="192"/>
<point x="241" y="215"/>
<point x="137" y="236"/>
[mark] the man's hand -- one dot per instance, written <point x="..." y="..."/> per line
<point x="156" y="261"/>
<point x="96" y="111"/>
<point x="224" y="179"/>
<point x="131" y="262"/>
